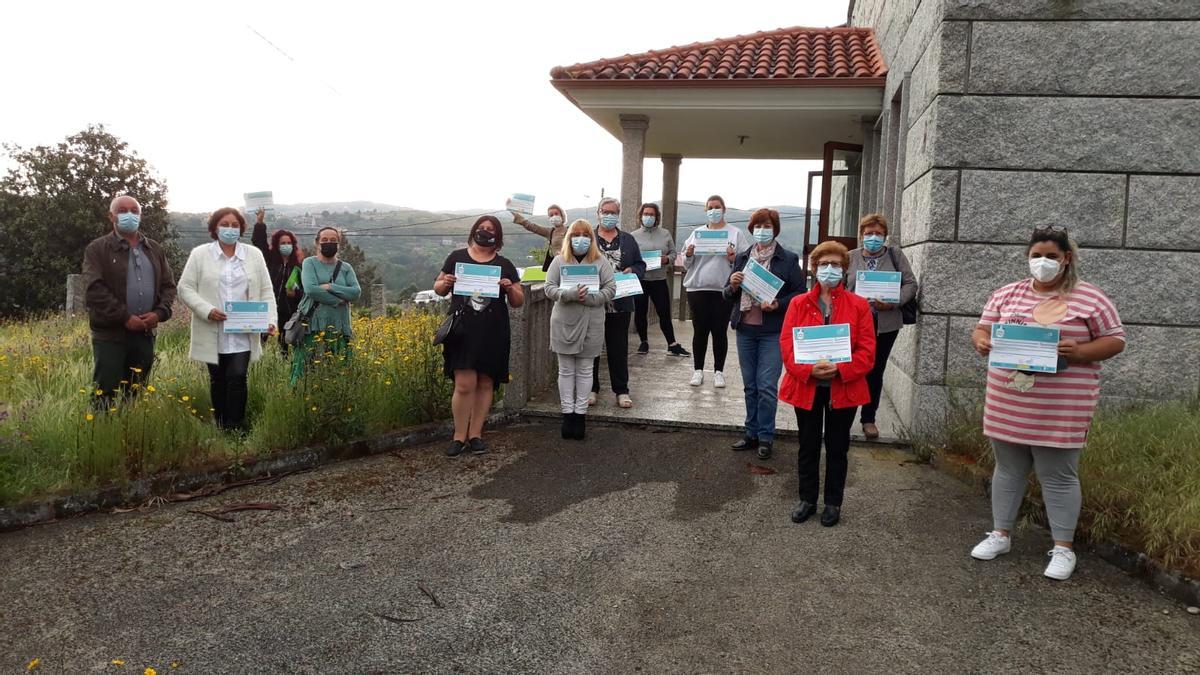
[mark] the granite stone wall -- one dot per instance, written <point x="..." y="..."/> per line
<point x="1027" y="113"/>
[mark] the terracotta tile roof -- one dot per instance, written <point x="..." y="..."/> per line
<point x="809" y="54"/>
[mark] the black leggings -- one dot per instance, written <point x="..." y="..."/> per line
<point x="616" y="349"/>
<point x="227" y="387"/>
<point x="658" y="293"/>
<point x="710" y="315"/>
<point x="883" y="349"/>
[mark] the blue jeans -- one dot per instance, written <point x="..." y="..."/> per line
<point x="761" y="364"/>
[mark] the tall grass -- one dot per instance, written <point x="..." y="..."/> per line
<point x="51" y="439"/>
<point x="1140" y="472"/>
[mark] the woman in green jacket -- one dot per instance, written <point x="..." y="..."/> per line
<point x="329" y="287"/>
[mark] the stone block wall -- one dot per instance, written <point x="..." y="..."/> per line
<point x="1027" y="113"/>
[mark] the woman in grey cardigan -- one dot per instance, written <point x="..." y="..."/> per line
<point x="577" y="323"/>
<point x="875" y="256"/>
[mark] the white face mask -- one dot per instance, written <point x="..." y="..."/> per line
<point x="1044" y="270"/>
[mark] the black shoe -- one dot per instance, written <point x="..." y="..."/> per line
<point x="745" y="444"/>
<point x="764" y="449"/>
<point x="831" y="515"/>
<point x="456" y="448"/>
<point x="580" y="426"/>
<point x="644" y="348"/>
<point x="568" y="427"/>
<point x="477" y="446"/>
<point x="803" y="511"/>
<point x="678" y="350"/>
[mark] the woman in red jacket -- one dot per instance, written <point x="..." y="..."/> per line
<point x="825" y="393"/>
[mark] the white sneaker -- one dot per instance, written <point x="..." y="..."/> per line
<point x="697" y="378"/>
<point x="719" y="380"/>
<point x="592" y="398"/>
<point x="1062" y="563"/>
<point x="995" y="544"/>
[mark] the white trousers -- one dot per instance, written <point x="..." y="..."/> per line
<point x="574" y="383"/>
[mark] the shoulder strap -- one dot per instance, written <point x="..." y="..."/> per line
<point x="336" y="268"/>
<point x="892" y="255"/>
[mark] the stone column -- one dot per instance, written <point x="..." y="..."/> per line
<point x="633" y="154"/>
<point x="378" y="302"/>
<point x="670" y="216"/>
<point x="76" y="302"/>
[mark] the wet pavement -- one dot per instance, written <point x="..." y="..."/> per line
<point x="632" y="551"/>
<point x="658" y="385"/>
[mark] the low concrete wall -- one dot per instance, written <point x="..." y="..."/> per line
<point x="531" y="363"/>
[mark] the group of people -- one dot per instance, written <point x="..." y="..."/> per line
<point x="1036" y="422"/>
<point x="130" y="289"/>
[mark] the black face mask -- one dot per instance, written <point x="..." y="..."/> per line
<point x="485" y="238"/>
<point x="329" y="249"/>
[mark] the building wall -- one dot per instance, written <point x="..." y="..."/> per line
<point x="1022" y="113"/>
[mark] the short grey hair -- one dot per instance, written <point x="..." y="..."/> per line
<point x="609" y="200"/>
<point x="112" y="206"/>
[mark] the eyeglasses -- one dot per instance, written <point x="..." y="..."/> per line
<point x="1051" y="230"/>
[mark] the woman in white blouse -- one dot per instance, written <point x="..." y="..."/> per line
<point x="225" y="271"/>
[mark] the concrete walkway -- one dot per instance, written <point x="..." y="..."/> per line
<point x="633" y="551"/>
<point x="658" y="385"/>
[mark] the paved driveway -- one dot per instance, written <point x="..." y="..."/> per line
<point x="634" y="551"/>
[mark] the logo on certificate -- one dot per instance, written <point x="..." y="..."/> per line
<point x="799" y="335"/>
<point x="1000" y="332"/>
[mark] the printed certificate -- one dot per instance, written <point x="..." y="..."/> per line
<point x="259" y="200"/>
<point x="580" y="275"/>
<point x="653" y="260"/>
<point x="627" y="285"/>
<point x="1029" y="348"/>
<point x="482" y="280"/>
<point x="883" y="286"/>
<point x="711" y="242"/>
<point x="521" y="203"/>
<point x="759" y="282"/>
<point x="246" y="317"/>
<point x="814" y="344"/>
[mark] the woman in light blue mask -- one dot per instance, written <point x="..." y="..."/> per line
<point x="577" y="323"/>
<point x="876" y="256"/>
<point x="225" y="271"/>
<point x="284" y="257"/>
<point x="705" y="279"/>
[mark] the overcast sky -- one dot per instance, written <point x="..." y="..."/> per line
<point x="433" y="105"/>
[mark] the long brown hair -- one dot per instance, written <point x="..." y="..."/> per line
<point x="297" y="256"/>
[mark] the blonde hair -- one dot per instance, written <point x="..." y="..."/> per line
<point x="825" y="248"/>
<point x="593" y="252"/>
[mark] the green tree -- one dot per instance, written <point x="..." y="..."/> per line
<point x="367" y="272"/>
<point x="55" y="200"/>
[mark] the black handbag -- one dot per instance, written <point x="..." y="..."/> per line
<point x="443" y="331"/>
<point x="908" y="311"/>
<point x="296" y="328"/>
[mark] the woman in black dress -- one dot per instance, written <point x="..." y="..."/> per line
<point x="283" y="256"/>
<point x="476" y="351"/>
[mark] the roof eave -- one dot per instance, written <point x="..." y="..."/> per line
<point x="564" y="84"/>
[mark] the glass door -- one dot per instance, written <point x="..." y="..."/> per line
<point x="841" y="180"/>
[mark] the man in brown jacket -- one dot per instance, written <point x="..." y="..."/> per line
<point x="130" y="289"/>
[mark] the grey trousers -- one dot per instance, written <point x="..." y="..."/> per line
<point x="1058" y="472"/>
<point x="574" y="382"/>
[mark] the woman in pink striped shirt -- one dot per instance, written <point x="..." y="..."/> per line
<point x="1041" y="420"/>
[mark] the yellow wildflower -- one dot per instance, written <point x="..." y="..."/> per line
<point x="150" y="388"/>
<point x="149" y="671"/>
<point x="89" y="417"/>
<point x="99" y="392"/>
<point x="82" y="390"/>
<point x="33" y="664"/>
<point x="136" y="370"/>
<point x="185" y="398"/>
<point x="118" y="662"/>
<point x="314" y="408"/>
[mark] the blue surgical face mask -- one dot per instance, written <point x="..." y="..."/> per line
<point x="763" y="235"/>
<point x="829" y="275"/>
<point x="580" y="245"/>
<point x="128" y="222"/>
<point x="285" y="250"/>
<point x="648" y="221"/>
<point x="873" y="242"/>
<point x="555" y="221"/>
<point x="609" y="221"/>
<point x="714" y="215"/>
<point x="228" y="235"/>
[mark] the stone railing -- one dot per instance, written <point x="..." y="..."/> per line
<point x="530" y="361"/>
